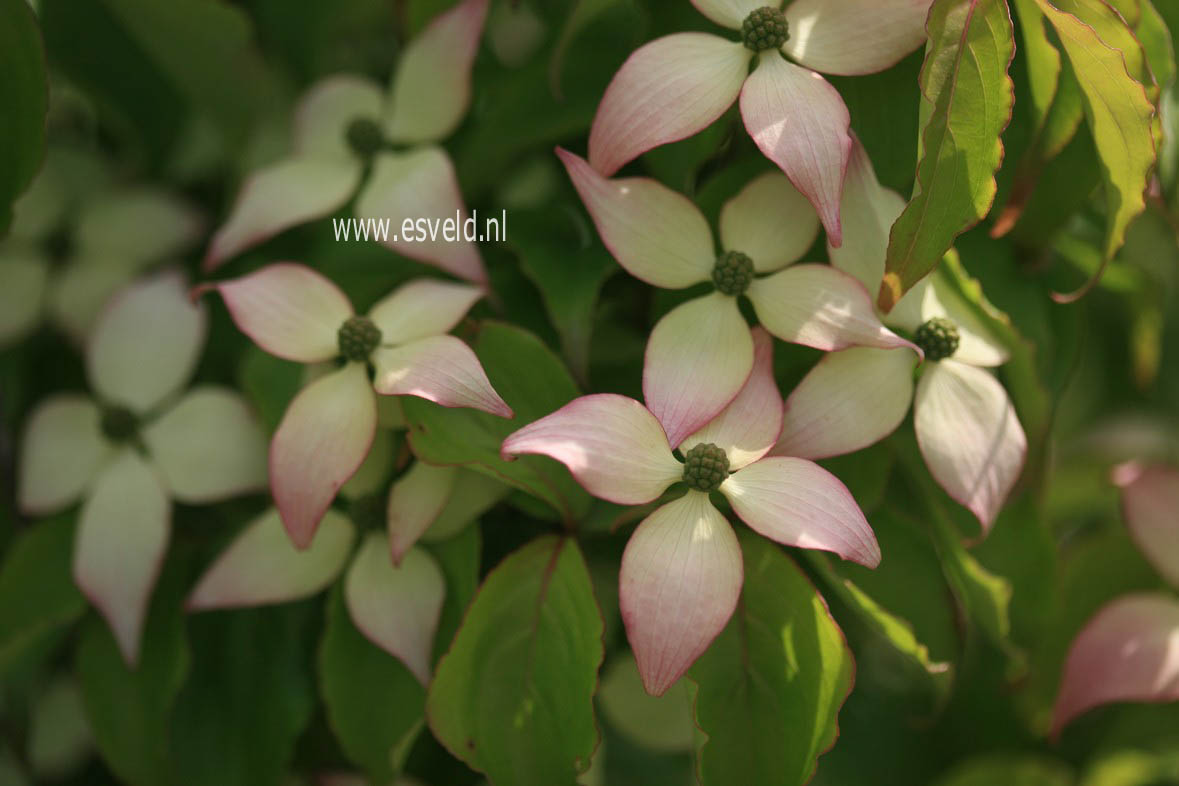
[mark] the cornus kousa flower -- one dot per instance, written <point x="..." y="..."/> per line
<point x="700" y="354"/>
<point x="136" y="446"/>
<point x="966" y="427"/>
<point x="395" y="602"/>
<point x="675" y="86"/>
<point x="293" y="312"/>
<point x="348" y="131"/>
<point x="67" y="271"/>
<point x="1129" y="650"/>
<point x="682" y="570"/>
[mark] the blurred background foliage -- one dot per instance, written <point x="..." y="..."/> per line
<point x="958" y="649"/>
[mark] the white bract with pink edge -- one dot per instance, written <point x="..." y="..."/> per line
<point x="295" y="313"/>
<point x="136" y="446"/>
<point x="1129" y="650"/>
<point x="700" y="354"/>
<point x="393" y="589"/>
<point x="677" y="85"/>
<point x="682" y="569"/>
<point x="966" y="426"/>
<point x="343" y="122"/>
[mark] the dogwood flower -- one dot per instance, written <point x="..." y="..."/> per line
<point x="677" y="85"/>
<point x="700" y="354"/>
<point x="1129" y="650"/>
<point x="344" y="130"/>
<point x="293" y="312"/>
<point x="682" y="571"/>
<point x="119" y="230"/>
<point x="136" y="446"/>
<point x="966" y="427"/>
<point x="393" y="590"/>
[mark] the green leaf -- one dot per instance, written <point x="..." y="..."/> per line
<point x="459" y="558"/>
<point x="568" y="273"/>
<point x="887" y="644"/>
<point x="248" y="698"/>
<point x="205" y="49"/>
<point x="374" y="704"/>
<point x="771" y="685"/>
<point x="24" y="94"/>
<point x="513" y="698"/>
<point x="1116" y="107"/>
<point x="37" y="592"/>
<point x="269" y="383"/>
<point x="129" y="709"/>
<point x="1010" y="770"/>
<point x="534" y="383"/>
<point x="985" y="597"/>
<point x="968" y="103"/>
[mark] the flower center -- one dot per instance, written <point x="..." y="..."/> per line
<point x="119" y="424"/>
<point x="365" y="136"/>
<point x="358" y="337"/>
<point x="937" y="337"/>
<point x="705" y="467"/>
<point x="765" y="28"/>
<point x="732" y="273"/>
<point x="368" y="512"/>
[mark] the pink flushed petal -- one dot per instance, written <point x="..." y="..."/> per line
<point x="679" y="583"/>
<point x="698" y="358"/>
<point x="851" y="399"/>
<point x="749" y="426"/>
<point x="666" y="90"/>
<point x="62" y="451"/>
<point x="851" y="37"/>
<point x="770" y="221"/>
<point x="281" y="196"/>
<point x="123" y="532"/>
<point x="821" y="307"/>
<point x="323" y="438"/>
<point x="416" y="501"/>
<point x="326" y="110"/>
<point x="1128" y="651"/>
<point x="261" y="566"/>
<point x="728" y="13"/>
<point x="801" y="124"/>
<point x="969" y="435"/>
<point x="396" y="608"/>
<point x="287" y="309"/>
<point x="657" y="234"/>
<point x="420" y="186"/>
<point x="612" y="444"/>
<point x="1150" y="506"/>
<point x="146" y="345"/>
<point x="441" y="369"/>
<point x="208" y="447"/>
<point x="867" y="214"/>
<point x="798" y="503"/>
<point x="422" y="307"/>
<point x="432" y="85"/>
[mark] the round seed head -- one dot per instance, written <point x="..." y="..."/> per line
<point x="705" y="467"/>
<point x="938" y="338"/>
<point x="358" y="337"/>
<point x="765" y="28"/>
<point x="732" y="273"/>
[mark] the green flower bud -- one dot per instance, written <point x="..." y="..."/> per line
<point x="765" y="28"/>
<point x="365" y="136"/>
<point x="705" y="467"/>
<point x="938" y="338"/>
<point x="119" y="424"/>
<point x="358" y="337"/>
<point x="732" y="273"/>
